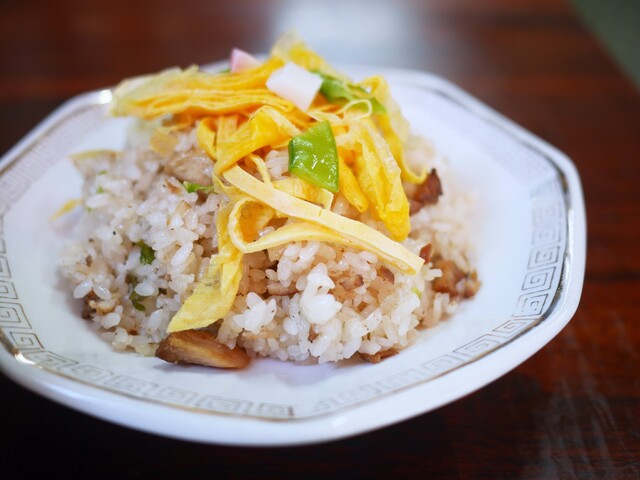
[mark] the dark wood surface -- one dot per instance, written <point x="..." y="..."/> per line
<point x="571" y="411"/>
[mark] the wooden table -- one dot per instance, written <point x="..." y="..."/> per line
<point x="571" y="411"/>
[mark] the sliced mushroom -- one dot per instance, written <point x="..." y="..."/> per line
<point x="200" y="347"/>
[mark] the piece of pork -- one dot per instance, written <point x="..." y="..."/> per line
<point x="193" y="166"/>
<point x="425" y="253"/>
<point x="427" y="193"/>
<point x="351" y="283"/>
<point x="378" y="357"/>
<point x="454" y="280"/>
<point x="200" y="347"/>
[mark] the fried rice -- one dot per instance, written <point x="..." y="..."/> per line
<point x="145" y="239"/>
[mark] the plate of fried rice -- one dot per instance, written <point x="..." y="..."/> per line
<point x="274" y="250"/>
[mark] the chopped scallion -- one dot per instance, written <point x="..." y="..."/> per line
<point x="338" y="91"/>
<point x="147" y="255"/>
<point x="195" y="187"/>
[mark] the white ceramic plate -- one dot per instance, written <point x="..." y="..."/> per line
<point x="529" y="234"/>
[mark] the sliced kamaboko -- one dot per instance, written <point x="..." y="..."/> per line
<point x="241" y="61"/>
<point x="295" y="84"/>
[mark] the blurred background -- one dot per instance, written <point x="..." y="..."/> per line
<point x="617" y="25"/>
<point x="64" y="47"/>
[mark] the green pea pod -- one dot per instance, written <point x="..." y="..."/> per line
<point x="313" y="157"/>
